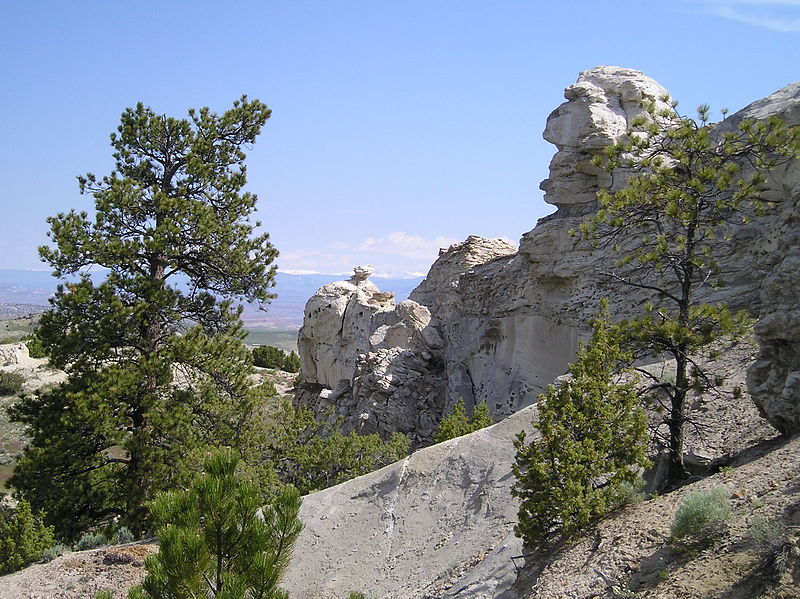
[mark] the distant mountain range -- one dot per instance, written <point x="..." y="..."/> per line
<point x="285" y="313"/>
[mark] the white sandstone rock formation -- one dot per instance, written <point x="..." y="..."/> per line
<point x="774" y="379"/>
<point x="337" y="325"/>
<point x="504" y="323"/>
<point x="598" y="111"/>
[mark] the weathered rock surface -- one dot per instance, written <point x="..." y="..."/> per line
<point x="416" y="528"/>
<point x="372" y="362"/>
<point x="598" y="111"/>
<point x="774" y="379"/>
<point x="337" y="323"/>
<point x="504" y="323"/>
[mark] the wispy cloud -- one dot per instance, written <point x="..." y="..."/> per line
<point x="398" y="254"/>
<point x="776" y="15"/>
<point x="407" y="246"/>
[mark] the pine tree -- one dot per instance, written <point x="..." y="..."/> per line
<point x="689" y="182"/>
<point x="312" y="454"/>
<point x="154" y="354"/>
<point x="457" y="423"/>
<point x="216" y="539"/>
<point x="593" y="443"/>
<point x="267" y="356"/>
<point x="23" y="536"/>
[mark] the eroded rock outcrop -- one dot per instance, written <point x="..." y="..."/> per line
<point x="505" y="323"/>
<point x="337" y="323"/>
<point x="371" y="362"/>
<point x="774" y="379"/>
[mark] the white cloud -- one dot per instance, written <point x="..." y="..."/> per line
<point x="407" y="246"/>
<point x="776" y="15"/>
<point x="397" y="255"/>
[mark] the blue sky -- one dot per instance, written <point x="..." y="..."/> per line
<point x="397" y="127"/>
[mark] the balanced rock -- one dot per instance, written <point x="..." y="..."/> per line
<point x="337" y="323"/>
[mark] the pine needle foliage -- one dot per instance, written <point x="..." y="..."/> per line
<point x="458" y="423"/>
<point x="217" y="541"/>
<point x="157" y="371"/>
<point x="312" y="454"/>
<point x="688" y="181"/>
<point x="592" y="446"/>
<point x="23" y="537"/>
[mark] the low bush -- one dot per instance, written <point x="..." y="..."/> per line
<point x="766" y="534"/>
<point x="769" y="539"/>
<point x="267" y="356"/>
<point x="90" y="540"/>
<point x="122" y="535"/>
<point x="702" y="517"/>
<point x="10" y="383"/>
<point x="23" y="537"/>
<point x="35" y="348"/>
<point x="52" y="552"/>
<point x="458" y="424"/>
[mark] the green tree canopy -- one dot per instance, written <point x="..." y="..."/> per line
<point x="23" y="536"/>
<point x="216" y="539"/>
<point x="312" y="454"/>
<point x="593" y="443"/>
<point x="690" y="180"/>
<point x="154" y="353"/>
<point x="457" y="423"/>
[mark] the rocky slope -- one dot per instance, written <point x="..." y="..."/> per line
<point x="439" y="524"/>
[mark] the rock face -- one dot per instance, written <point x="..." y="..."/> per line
<point x="505" y="322"/>
<point x="372" y="362"/>
<point x="437" y="523"/>
<point x="774" y="379"/>
<point x="337" y="323"/>
<point x="599" y="109"/>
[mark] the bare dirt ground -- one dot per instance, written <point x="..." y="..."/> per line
<point x="631" y="550"/>
<point x="80" y="574"/>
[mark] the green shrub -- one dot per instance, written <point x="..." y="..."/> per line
<point x="267" y="356"/>
<point x="23" y="537"/>
<point x="769" y="538"/>
<point x="702" y="517"/>
<point x="632" y="493"/>
<point x="217" y="539"/>
<point x="35" y="348"/>
<point x="10" y="383"/>
<point x="458" y="424"/>
<point x="592" y="444"/>
<point x="90" y="540"/>
<point x="313" y="454"/>
<point x="765" y="534"/>
<point x="292" y="362"/>
<point x="52" y="552"/>
<point x="103" y="595"/>
<point x="122" y="535"/>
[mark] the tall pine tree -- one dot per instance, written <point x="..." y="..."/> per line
<point x="690" y="181"/>
<point x="153" y="352"/>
